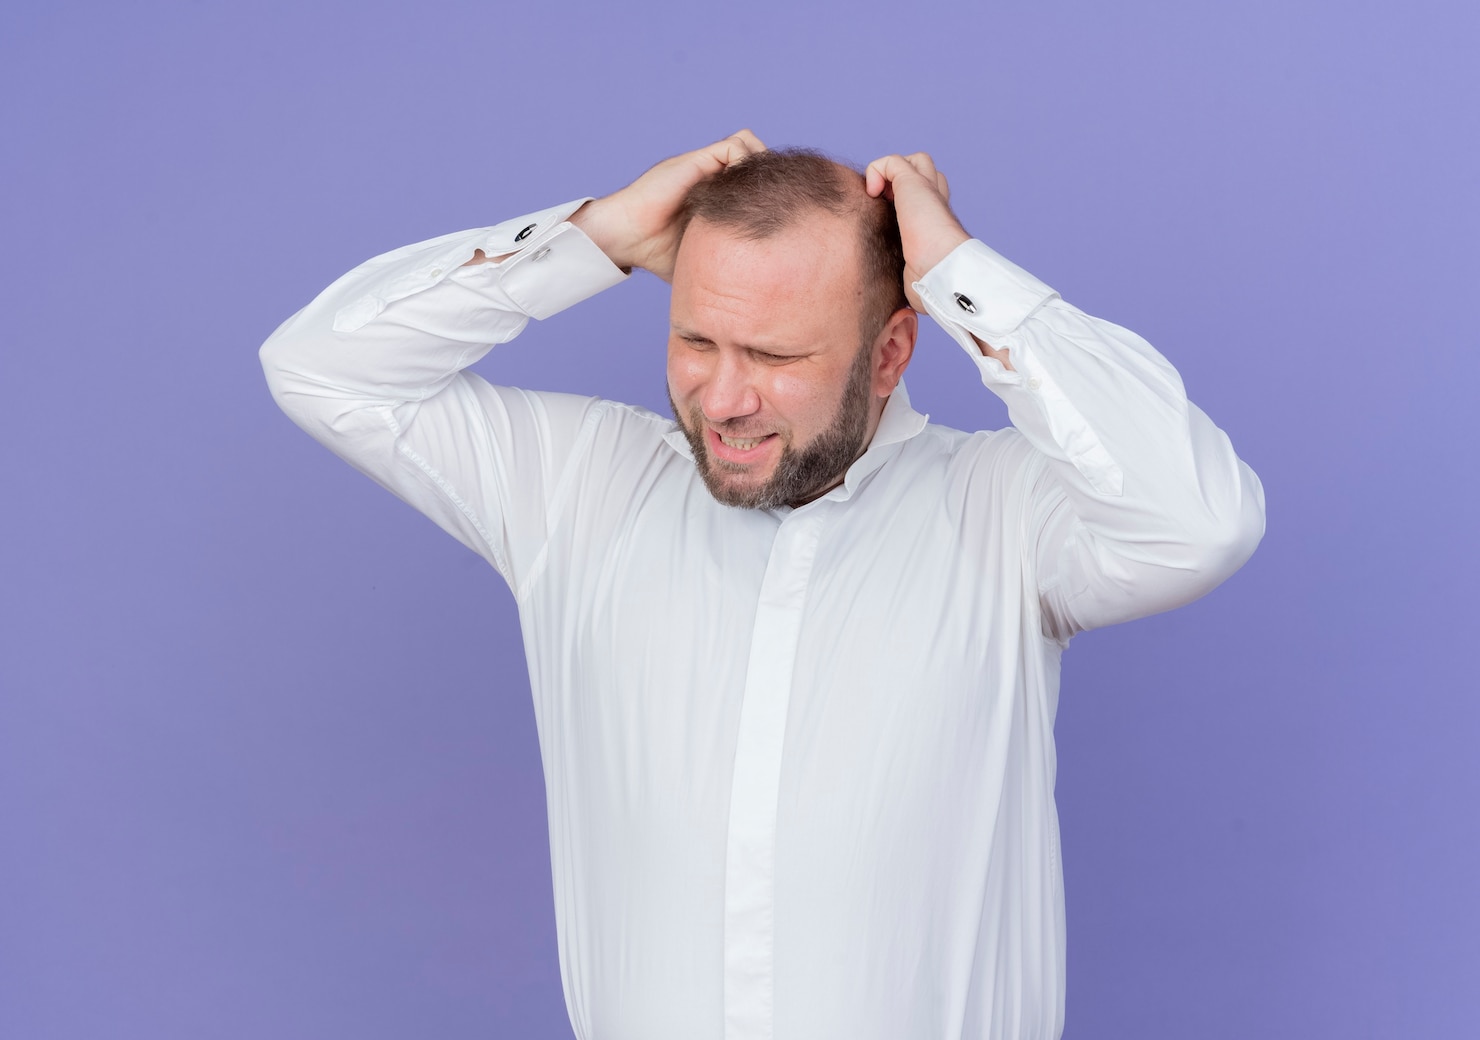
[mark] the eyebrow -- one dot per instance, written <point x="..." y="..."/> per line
<point x="695" y="337"/>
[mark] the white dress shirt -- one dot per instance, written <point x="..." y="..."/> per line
<point x="799" y="762"/>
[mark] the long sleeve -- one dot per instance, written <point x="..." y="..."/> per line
<point x="1140" y="504"/>
<point x="373" y="368"/>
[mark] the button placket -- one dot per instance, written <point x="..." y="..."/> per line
<point x="750" y="854"/>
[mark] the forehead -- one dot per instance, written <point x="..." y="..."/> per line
<point x="805" y="276"/>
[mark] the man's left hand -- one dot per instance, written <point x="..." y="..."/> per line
<point x="927" y="227"/>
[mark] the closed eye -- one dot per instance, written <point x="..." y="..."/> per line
<point x="765" y="357"/>
<point x="771" y="359"/>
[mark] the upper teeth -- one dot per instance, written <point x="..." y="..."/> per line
<point x="743" y="445"/>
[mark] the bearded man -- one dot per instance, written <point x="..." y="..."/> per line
<point x="794" y="652"/>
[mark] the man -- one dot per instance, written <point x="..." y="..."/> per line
<point x="794" y="655"/>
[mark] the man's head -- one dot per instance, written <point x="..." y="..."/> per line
<point x="789" y="325"/>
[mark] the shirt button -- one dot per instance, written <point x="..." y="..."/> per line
<point x="541" y="253"/>
<point x="436" y="272"/>
<point x="524" y="234"/>
<point x="965" y="302"/>
<point x="1034" y="383"/>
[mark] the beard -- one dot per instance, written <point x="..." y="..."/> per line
<point x="801" y="474"/>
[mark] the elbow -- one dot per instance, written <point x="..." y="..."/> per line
<point x="274" y="356"/>
<point x="1232" y="545"/>
<point x="278" y="371"/>
<point x="282" y="357"/>
<point x="1226" y="538"/>
<point x="1176" y="562"/>
<point x="274" y="368"/>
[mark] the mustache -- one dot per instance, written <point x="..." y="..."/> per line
<point x="741" y="429"/>
<point x="736" y="432"/>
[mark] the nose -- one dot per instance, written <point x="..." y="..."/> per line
<point x="730" y="392"/>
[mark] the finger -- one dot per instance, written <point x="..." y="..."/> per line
<point x="715" y="157"/>
<point x="738" y="145"/>
<point x="751" y="142"/>
<point x="879" y="174"/>
<point x="882" y="174"/>
<point x="924" y="164"/>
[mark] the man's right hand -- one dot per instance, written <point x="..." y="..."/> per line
<point x="635" y="226"/>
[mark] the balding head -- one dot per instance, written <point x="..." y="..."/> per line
<point x="770" y="191"/>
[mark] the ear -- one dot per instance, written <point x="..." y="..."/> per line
<point x="893" y="349"/>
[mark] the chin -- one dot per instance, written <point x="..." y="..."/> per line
<point x="725" y="489"/>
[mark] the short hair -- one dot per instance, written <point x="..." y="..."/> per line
<point x="768" y="192"/>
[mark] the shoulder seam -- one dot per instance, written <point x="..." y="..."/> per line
<point x="555" y="506"/>
<point x="445" y="486"/>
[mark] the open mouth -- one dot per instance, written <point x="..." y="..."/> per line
<point x="737" y="449"/>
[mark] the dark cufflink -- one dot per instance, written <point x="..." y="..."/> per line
<point x="524" y="234"/>
<point x="965" y="302"/>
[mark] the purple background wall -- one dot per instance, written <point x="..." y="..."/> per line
<point x="267" y="760"/>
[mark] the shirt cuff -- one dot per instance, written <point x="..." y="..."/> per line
<point x="977" y="290"/>
<point x="557" y="269"/>
<point x="550" y="287"/>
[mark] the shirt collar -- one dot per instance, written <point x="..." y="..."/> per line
<point x="898" y="423"/>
